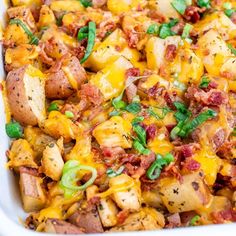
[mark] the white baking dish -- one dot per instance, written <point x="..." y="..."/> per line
<point x="11" y="211"/>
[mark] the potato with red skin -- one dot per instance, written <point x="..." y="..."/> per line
<point x="26" y="95"/>
<point x="63" y="82"/>
<point x="61" y="227"/>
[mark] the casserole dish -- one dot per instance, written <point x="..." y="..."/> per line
<point x="11" y="211"/>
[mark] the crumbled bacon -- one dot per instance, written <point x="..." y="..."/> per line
<point x="151" y="131"/>
<point x="218" y="139"/>
<point x="221" y="216"/>
<point x="178" y="28"/>
<point x="233" y="17"/>
<point x="157" y="16"/>
<point x="191" y="164"/>
<point x="171" y="52"/>
<point x="106" y="27"/>
<point x="174" y="220"/>
<point x="192" y="13"/>
<point x="113" y="151"/>
<point x="133" y="38"/>
<point x="28" y="170"/>
<point x="169" y="98"/>
<point x="98" y="3"/>
<point x="72" y="108"/>
<point x="92" y="94"/>
<point x="131" y="90"/>
<point x="122" y="216"/>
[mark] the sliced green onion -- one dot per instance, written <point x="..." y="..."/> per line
<point x="112" y="173"/>
<point x="192" y="125"/>
<point x="137" y="120"/>
<point x="229" y="12"/>
<point x="234" y="132"/>
<point x="154" y="170"/>
<point x="153" y="29"/>
<point x="186" y="31"/>
<point x="165" y="29"/>
<point x="83" y="33"/>
<point x="182" y="112"/>
<point x="115" y="113"/>
<point x="227" y="5"/>
<point x="134" y="108"/>
<point x="118" y="103"/>
<point x="69" y="165"/>
<point x="69" y="178"/>
<point x="205" y="82"/>
<point x="164" y="112"/>
<point x="86" y="3"/>
<point x="141" y="133"/>
<point x="179" y="85"/>
<point x="140" y="148"/>
<point x="14" y="130"/>
<point x="194" y="220"/>
<point x="53" y="107"/>
<point x="91" y="41"/>
<point x="179" y="5"/>
<point x="204" y="3"/>
<point x="69" y="114"/>
<point x="233" y="50"/>
<point x="175" y="131"/>
<point x="33" y="39"/>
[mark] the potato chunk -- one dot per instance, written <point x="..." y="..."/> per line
<point x="111" y="80"/>
<point x="32" y="193"/>
<point x="26" y="95"/>
<point x="114" y="133"/>
<point x="108" y="212"/>
<point x="21" y="154"/>
<point x="46" y="17"/>
<point x="129" y="199"/>
<point x="146" y="219"/>
<point x="52" y="162"/>
<point x="191" y="194"/>
<point x="56" y="226"/>
<point x="214" y="51"/>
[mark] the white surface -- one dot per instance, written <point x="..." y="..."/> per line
<point x="10" y="204"/>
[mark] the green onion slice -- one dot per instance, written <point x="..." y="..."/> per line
<point x="33" y="39"/>
<point x="14" y="130"/>
<point x="112" y="173"/>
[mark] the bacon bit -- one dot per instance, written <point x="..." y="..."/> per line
<point x="98" y="3"/>
<point x="233" y="17"/>
<point x="227" y="75"/>
<point x="191" y="164"/>
<point x="131" y="90"/>
<point x="222" y="216"/>
<point x="78" y="52"/>
<point x="169" y="100"/>
<point x="156" y="15"/>
<point x="151" y="132"/>
<point x="91" y="93"/>
<point x="43" y="55"/>
<point x="94" y="200"/>
<point x="106" y="26"/>
<point x="163" y="71"/>
<point x="155" y="91"/>
<point x="206" y="52"/>
<point x="113" y="152"/>
<point x="212" y="85"/>
<point x="192" y="13"/>
<point x="171" y="52"/>
<point x="1" y="87"/>
<point x="218" y="139"/>
<point x="132" y="72"/>
<point x="72" y="108"/>
<point x="122" y="216"/>
<point x="132" y="38"/>
<point x="178" y="28"/>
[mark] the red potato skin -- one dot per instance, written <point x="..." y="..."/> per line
<point x="17" y="99"/>
<point x="89" y="221"/>
<point x="57" y="84"/>
<point x="61" y="227"/>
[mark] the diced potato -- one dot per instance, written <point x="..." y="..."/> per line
<point x="218" y="21"/>
<point x="68" y="5"/>
<point x="58" y="125"/>
<point x="210" y="164"/>
<point x="156" y="48"/>
<point x="32" y="193"/>
<point x="56" y="226"/>
<point x="188" y="66"/>
<point x="129" y="199"/>
<point x="107" y="52"/>
<point x="164" y="7"/>
<point x="146" y="219"/>
<point x="121" y="6"/>
<point x="214" y="51"/>
<point x="26" y="2"/>
<point x="152" y="199"/>
<point x="108" y="212"/>
<point x="21" y="55"/>
<point x="14" y="33"/>
<point x="191" y="194"/>
<point x="21" y="154"/>
<point x="111" y="80"/>
<point x="114" y="133"/>
<point x="229" y="67"/>
<point x="37" y="139"/>
<point x="52" y="162"/>
<point x="46" y="17"/>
